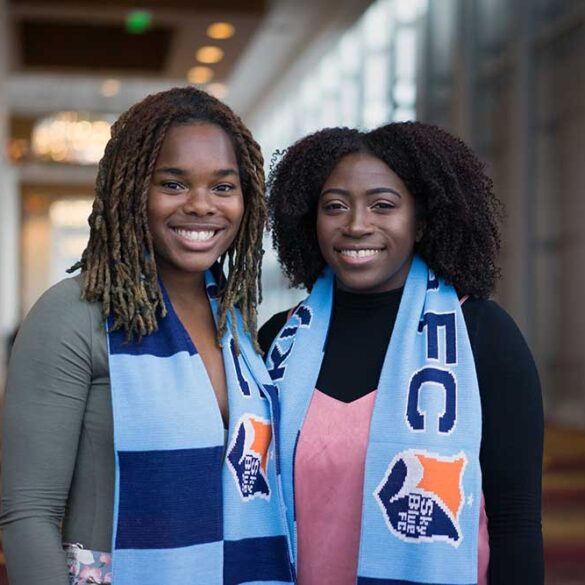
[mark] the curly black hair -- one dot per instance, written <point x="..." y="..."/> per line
<point x="454" y="201"/>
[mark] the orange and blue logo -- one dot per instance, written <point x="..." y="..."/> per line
<point x="421" y="496"/>
<point x="247" y="456"/>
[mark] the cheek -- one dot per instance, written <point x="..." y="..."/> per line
<point x="414" y="229"/>
<point x="155" y="209"/>
<point x="323" y="234"/>
<point x="406" y="229"/>
<point x="234" y="212"/>
<point x="237" y="212"/>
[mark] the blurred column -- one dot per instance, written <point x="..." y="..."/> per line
<point x="436" y="70"/>
<point x="9" y="206"/>
<point x="465" y="73"/>
<point x="521" y="209"/>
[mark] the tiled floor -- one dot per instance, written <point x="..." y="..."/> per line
<point x="563" y="510"/>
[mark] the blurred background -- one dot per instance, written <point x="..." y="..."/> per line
<point x="507" y="76"/>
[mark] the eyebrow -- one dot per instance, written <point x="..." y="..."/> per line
<point x="181" y="172"/>
<point x="374" y="191"/>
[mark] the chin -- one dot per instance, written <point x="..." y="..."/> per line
<point x="356" y="284"/>
<point x="363" y="284"/>
<point x="193" y="266"/>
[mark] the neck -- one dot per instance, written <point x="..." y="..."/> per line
<point x="183" y="287"/>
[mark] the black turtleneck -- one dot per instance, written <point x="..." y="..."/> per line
<point x="359" y="322"/>
<point x="512" y="429"/>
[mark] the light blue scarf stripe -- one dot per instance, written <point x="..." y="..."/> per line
<point x="368" y="581"/>
<point x="422" y="486"/>
<point x="304" y="334"/>
<point x="188" y="509"/>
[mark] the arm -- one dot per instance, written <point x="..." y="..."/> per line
<point x="511" y="450"/>
<point x="48" y="380"/>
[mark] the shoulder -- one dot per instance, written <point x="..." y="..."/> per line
<point x="507" y="374"/>
<point x="64" y="294"/>
<point x="270" y="330"/>
<point x="475" y="308"/>
<point x="490" y="325"/>
<point x="55" y="348"/>
<point x="60" y="316"/>
<point x="62" y="303"/>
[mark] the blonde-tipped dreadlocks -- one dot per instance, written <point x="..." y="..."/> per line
<point x="118" y="265"/>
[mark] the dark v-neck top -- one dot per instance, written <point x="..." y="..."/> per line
<point x="512" y="417"/>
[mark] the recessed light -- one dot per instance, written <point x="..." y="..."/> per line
<point x="209" y="54"/>
<point x="221" y="30"/>
<point x="200" y="74"/>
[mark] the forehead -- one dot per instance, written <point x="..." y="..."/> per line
<point x="185" y="144"/>
<point x="362" y="169"/>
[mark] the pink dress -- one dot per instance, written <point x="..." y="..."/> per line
<point x="329" y="477"/>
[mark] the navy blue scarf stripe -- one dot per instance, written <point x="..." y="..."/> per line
<point x="192" y="513"/>
<point x="256" y="559"/>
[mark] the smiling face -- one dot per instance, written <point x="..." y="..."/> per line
<point x="366" y="225"/>
<point x="195" y="200"/>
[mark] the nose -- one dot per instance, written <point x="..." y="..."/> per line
<point x="358" y="224"/>
<point x="199" y="202"/>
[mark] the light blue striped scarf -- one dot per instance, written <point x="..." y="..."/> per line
<point x="188" y="509"/>
<point x="422" y="486"/>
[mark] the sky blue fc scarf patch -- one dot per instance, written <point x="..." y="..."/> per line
<point x="187" y="509"/>
<point x="422" y="486"/>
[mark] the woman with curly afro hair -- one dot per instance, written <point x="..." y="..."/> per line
<point x="411" y="416"/>
<point x="137" y="431"/>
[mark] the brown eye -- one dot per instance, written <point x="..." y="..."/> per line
<point x="383" y="205"/>
<point x="225" y="187"/>
<point x="333" y="206"/>
<point x="171" y="185"/>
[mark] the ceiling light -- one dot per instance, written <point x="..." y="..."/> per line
<point x="110" y="87"/>
<point x="138" y="21"/>
<point x="218" y="90"/>
<point x="200" y="74"/>
<point x="209" y="54"/>
<point x="71" y="137"/>
<point x="221" y="30"/>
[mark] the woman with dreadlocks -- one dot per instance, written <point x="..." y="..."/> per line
<point x="138" y="430"/>
<point x="411" y="414"/>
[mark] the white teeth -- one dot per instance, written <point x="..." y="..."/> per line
<point x="195" y="236"/>
<point x="359" y="253"/>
